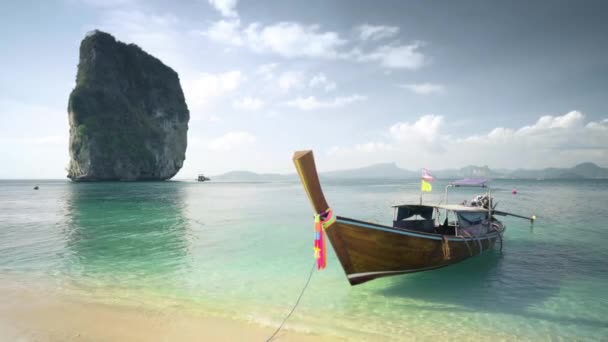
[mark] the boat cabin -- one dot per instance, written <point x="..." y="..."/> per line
<point x="472" y="219"/>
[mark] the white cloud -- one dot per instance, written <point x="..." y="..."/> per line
<point x="287" y="39"/>
<point x="571" y="119"/>
<point x="321" y="81"/>
<point x="545" y="126"/>
<point x="232" y="140"/>
<point x="248" y="103"/>
<point x="376" y="32"/>
<point x="599" y="125"/>
<point x="225" y="31"/>
<point x="290" y="80"/>
<point x="312" y="103"/>
<point x="369" y="147"/>
<point x="425" y="129"/>
<point x="296" y="40"/>
<point x="291" y="39"/>
<point x="202" y="89"/>
<point x="226" y="7"/>
<point x="424" y="88"/>
<point x="563" y="140"/>
<point x="110" y="3"/>
<point x="157" y="34"/>
<point x="396" y="56"/>
<point x="266" y="71"/>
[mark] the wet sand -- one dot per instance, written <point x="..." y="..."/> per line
<point x="31" y="314"/>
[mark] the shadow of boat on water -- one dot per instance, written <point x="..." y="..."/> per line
<point x="523" y="277"/>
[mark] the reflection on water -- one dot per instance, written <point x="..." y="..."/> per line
<point x="244" y="250"/>
<point x="126" y="232"/>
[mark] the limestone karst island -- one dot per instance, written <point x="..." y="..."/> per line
<point x="128" y="116"/>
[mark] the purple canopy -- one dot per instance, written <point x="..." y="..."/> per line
<point x="470" y="182"/>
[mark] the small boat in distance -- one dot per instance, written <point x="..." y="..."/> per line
<point x="202" y="178"/>
<point x="422" y="237"/>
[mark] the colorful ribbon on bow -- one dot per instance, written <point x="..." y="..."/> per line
<point x="322" y="222"/>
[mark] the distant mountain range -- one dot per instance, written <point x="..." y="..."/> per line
<point x="392" y="171"/>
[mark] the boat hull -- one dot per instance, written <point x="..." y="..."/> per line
<point x="368" y="251"/>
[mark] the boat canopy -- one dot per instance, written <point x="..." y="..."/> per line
<point x="459" y="208"/>
<point x="478" y="182"/>
<point x="466" y="214"/>
<point x="414" y="209"/>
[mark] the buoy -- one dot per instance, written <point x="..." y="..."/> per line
<point x="514" y="191"/>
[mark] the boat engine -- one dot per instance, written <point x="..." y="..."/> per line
<point x="482" y="201"/>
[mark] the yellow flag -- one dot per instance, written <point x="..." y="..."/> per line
<point x="426" y="186"/>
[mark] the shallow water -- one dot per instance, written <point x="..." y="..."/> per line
<point x="244" y="250"/>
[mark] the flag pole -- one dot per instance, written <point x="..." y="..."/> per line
<point x="421" y="187"/>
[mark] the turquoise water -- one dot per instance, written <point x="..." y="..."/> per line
<point x="244" y="250"/>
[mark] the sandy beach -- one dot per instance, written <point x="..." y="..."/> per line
<point x="32" y="314"/>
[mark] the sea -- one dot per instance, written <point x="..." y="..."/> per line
<point x="244" y="251"/>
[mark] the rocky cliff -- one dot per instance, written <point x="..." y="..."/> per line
<point x="128" y="116"/>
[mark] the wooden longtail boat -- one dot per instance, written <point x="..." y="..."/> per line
<point x="368" y="250"/>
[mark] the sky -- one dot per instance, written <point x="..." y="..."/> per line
<point x="435" y="84"/>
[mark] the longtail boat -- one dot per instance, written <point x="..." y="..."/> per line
<point x="422" y="237"/>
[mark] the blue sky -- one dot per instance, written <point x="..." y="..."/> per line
<point x="425" y="84"/>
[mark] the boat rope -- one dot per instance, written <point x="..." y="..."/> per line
<point x="499" y="235"/>
<point x="477" y="239"/>
<point x="322" y="221"/>
<point x="446" y="248"/>
<point x="312" y="271"/>
<point x="466" y="242"/>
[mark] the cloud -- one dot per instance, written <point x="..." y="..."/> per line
<point x="232" y="140"/>
<point x="248" y="103"/>
<point x="110" y="3"/>
<point x="376" y="32"/>
<point x="295" y="40"/>
<point x="321" y="81"/>
<point x="571" y="119"/>
<point x="225" y="31"/>
<point x="158" y="34"/>
<point x="396" y="56"/>
<point x="600" y="125"/>
<point x="226" y="7"/>
<point x="545" y="125"/>
<point x="291" y="39"/>
<point x="426" y="128"/>
<point x="369" y="147"/>
<point x="312" y="103"/>
<point x="202" y="89"/>
<point x="562" y="140"/>
<point x="266" y="71"/>
<point x="290" y="80"/>
<point x="424" y="88"/>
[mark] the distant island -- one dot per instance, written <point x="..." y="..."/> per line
<point x="392" y="171"/>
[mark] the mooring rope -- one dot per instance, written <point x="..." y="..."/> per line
<point x="499" y="236"/>
<point x="312" y="271"/>
<point x="465" y="241"/>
